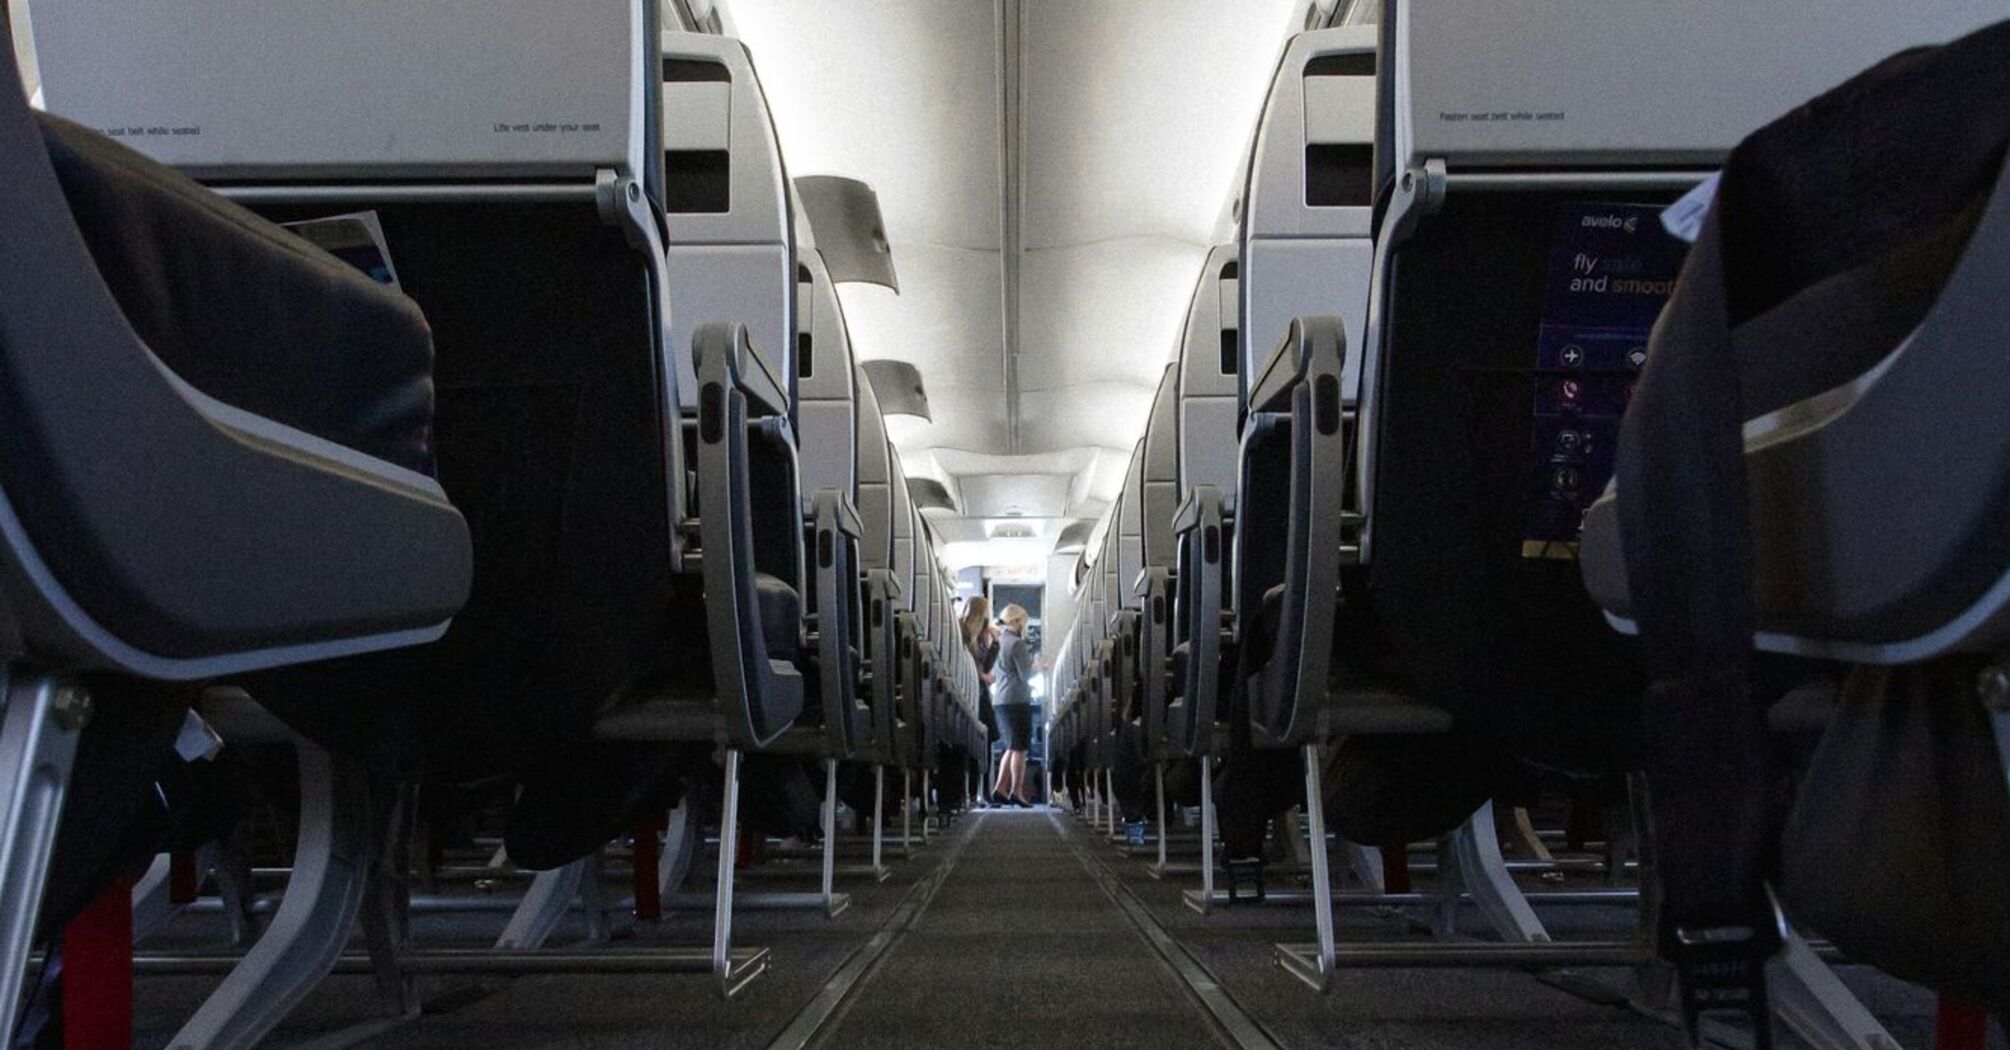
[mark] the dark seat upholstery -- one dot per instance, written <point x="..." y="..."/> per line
<point x="264" y="322"/>
<point x="246" y="312"/>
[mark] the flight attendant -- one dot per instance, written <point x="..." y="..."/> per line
<point x="1013" y="702"/>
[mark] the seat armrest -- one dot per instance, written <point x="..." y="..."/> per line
<point x="1290" y="363"/>
<point x="1291" y="687"/>
<point x="882" y="590"/>
<point x="1201" y="585"/>
<point x="759" y="696"/>
<point x="836" y="526"/>
<point x="1154" y="651"/>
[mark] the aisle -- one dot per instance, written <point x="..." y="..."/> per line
<point x="1020" y="947"/>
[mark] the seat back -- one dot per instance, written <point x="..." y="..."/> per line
<point x="535" y="255"/>
<point x="1209" y="376"/>
<point x="1305" y="244"/>
<point x="1210" y="367"/>
<point x="1874" y="356"/>
<point x="1130" y="545"/>
<point x="180" y="584"/>
<point x="876" y="544"/>
<point x="904" y="526"/>
<point x="732" y="253"/>
<point x="1159" y="485"/>
<point x="827" y="383"/>
<point x="876" y="479"/>
<point x="1518" y="268"/>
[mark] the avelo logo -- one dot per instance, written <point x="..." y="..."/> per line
<point x="1629" y="223"/>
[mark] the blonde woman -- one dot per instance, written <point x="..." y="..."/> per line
<point x="1014" y="706"/>
<point x="981" y="638"/>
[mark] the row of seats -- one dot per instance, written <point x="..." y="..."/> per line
<point x="580" y="498"/>
<point x="1388" y="592"/>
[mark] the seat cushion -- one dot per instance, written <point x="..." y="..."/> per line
<point x="246" y="312"/>
<point x="781" y="618"/>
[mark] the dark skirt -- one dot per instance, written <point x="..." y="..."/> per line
<point x="1015" y="726"/>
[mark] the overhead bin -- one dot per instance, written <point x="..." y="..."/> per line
<point x="854" y="241"/>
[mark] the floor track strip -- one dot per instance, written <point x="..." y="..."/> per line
<point x="1233" y="1026"/>
<point x="814" y="1024"/>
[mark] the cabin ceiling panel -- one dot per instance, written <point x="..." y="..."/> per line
<point x="1015" y="495"/>
<point x="1103" y="414"/>
<point x="1137" y="115"/>
<point x="1113" y="311"/>
<point x="903" y="95"/>
<point x="1134" y="121"/>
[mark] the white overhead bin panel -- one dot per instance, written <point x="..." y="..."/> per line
<point x="732" y="244"/>
<point x="1496" y="84"/>
<point x="274" y="89"/>
<point x="1308" y="207"/>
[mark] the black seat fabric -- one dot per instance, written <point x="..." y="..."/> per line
<point x="1508" y="644"/>
<point x="259" y="319"/>
<point x="246" y="312"/>
<point x="550" y="441"/>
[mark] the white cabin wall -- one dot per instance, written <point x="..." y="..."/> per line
<point x="17" y="23"/>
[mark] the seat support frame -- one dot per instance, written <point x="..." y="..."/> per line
<point x="43" y="719"/>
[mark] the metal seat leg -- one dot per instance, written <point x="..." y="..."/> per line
<point x="546" y="903"/>
<point x="153" y="901"/>
<point x="1808" y="996"/>
<point x="1159" y="778"/>
<point x="733" y="974"/>
<point x="1296" y="836"/>
<point x="1316" y="970"/>
<point x="878" y="820"/>
<point x="834" y="902"/>
<point x="1110" y="782"/>
<point x="681" y="839"/>
<point x="39" y="729"/>
<point x="331" y="871"/>
<point x="1475" y="851"/>
<point x="1366" y="864"/>
<point x="1202" y="900"/>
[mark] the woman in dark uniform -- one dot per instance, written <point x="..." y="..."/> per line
<point x="1013" y="703"/>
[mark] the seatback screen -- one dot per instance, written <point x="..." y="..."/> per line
<point x="1609" y="272"/>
